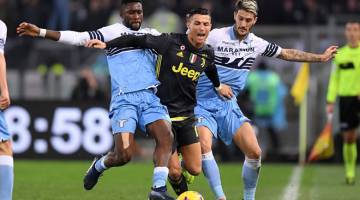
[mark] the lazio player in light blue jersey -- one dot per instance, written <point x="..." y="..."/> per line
<point x="6" y="157"/>
<point x="235" y="52"/>
<point x="133" y="99"/>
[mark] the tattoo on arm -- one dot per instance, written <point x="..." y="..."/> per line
<point x="299" y="56"/>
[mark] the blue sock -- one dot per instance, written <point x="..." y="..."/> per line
<point x="212" y="174"/>
<point x="250" y="174"/>
<point x="160" y="177"/>
<point x="100" y="165"/>
<point x="6" y="177"/>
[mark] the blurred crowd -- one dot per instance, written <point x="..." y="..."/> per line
<point x="92" y="14"/>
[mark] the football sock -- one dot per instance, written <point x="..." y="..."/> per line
<point x="160" y="177"/>
<point x="250" y="174"/>
<point x="350" y="156"/>
<point x="180" y="185"/>
<point x="212" y="174"/>
<point x="6" y="177"/>
<point x="100" y="165"/>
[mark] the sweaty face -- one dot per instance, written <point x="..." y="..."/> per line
<point x="352" y="32"/>
<point x="199" y="27"/>
<point x="244" y="21"/>
<point x="132" y="14"/>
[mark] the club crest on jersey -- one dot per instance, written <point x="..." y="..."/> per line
<point x="192" y="58"/>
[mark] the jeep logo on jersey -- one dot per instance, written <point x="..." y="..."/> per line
<point x="184" y="71"/>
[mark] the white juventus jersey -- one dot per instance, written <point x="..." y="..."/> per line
<point x="3" y="31"/>
<point x="234" y="59"/>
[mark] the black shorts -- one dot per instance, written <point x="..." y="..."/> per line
<point x="349" y="113"/>
<point x="184" y="132"/>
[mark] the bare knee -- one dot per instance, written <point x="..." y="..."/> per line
<point x="121" y="158"/>
<point x="6" y="148"/>
<point x="194" y="170"/>
<point x="254" y="153"/>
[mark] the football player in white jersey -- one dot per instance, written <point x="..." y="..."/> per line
<point x="133" y="99"/>
<point x="235" y="51"/>
<point x="6" y="157"/>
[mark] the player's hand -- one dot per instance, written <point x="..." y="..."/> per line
<point x="330" y="108"/>
<point x="329" y="53"/>
<point x="225" y="91"/>
<point x="28" y="29"/>
<point x="95" y="44"/>
<point x="4" y="101"/>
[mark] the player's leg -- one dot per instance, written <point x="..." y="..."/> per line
<point x="123" y="123"/>
<point x="207" y="126"/>
<point x="161" y="131"/>
<point x="209" y="165"/>
<point x="6" y="161"/>
<point x="6" y="170"/>
<point x="350" y="155"/>
<point x="246" y="140"/>
<point x="349" y="121"/>
<point x="176" y="178"/>
<point x="155" y="118"/>
<point x="189" y="146"/>
<point x="120" y="156"/>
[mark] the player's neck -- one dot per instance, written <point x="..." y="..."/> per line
<point x="239" y="37"/>
<point x="353" y="45"/>
<point x="193" y="43"/>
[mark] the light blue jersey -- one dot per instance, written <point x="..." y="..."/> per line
<point x="233" y="59"/>
<point x="133" y="78"/>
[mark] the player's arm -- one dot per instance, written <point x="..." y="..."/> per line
<point x="67" y="37"/>
<point x="332" y="88"/>
<point x="301" y="56"/>
<point x="159" y="43"/>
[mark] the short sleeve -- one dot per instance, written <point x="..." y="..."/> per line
<point x="268" y="49"/>
<point x="3" y="32"/>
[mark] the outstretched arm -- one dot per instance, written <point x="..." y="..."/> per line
<point x="159" y="43"/>
<point x="301" y="56"/>
<point x="67" y="37"/>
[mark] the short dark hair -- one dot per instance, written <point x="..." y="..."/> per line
<point x="124" y="2"/>
<point x="194" y="11"/>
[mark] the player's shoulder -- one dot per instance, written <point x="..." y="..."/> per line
<point x="256" y="40"/>
<point x="114" y="27"/>
<point x="151" y="31"/>
<point x="220" y="32"/>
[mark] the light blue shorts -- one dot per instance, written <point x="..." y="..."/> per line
<point x="136" y="109"/>
<point x="4" y="132"/>
<point x="222" y="117"/>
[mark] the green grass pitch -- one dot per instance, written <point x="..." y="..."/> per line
<point x="62" y="180"/>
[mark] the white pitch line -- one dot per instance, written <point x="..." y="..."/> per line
<point x="291" y="191"/>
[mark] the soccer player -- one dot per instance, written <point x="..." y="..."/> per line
<point x="183" y="57"/>
<point x="345" y="83"/>
<point x="133" y="100"/>
<point x="6" y="157"/>
<point x="235" y="51"/>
